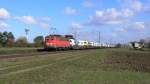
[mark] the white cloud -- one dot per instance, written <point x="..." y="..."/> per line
<point x="133" y="27"/>
<point x="30" y="20"/>
<point x="120" y="30"/>
<point x="70" y="11"/>
<point x="110" y="16"/>
<point x="127" y="13"/>
<point x="99" y="13"/>
<point x="4" y="14"/>
<point x="44" y="25"/>
<point x="42" y="22"/>
<point x="45" y="18"/>
<point x="87" y="4"/>
<point x="136" y="5"/>
<point x="114" y="35"/>
<point x="3" y="25"/>
<point x="138" y="26"/>
<point x="76" y="25"/>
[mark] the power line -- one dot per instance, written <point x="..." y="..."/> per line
<point x="27" y="31"/>
<point x="52" y="30"/>
<point x="99" y="36"/>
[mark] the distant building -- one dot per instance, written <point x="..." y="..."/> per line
<point x="136" y="45"/>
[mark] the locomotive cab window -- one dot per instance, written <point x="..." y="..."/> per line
<point x="52" y="38"/>
<point x="70" y="40"/>
<point x="47" y="39"/>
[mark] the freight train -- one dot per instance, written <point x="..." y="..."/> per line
<point x="64" y="42"/>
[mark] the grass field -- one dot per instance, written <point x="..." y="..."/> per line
<point x="100" y="66"/>
<point x="5" y="51"/>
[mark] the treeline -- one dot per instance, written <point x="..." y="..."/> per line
<point x="7" y="39"/>
<point x="146" y="42"/>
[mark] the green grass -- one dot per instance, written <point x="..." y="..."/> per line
<point x="82" y="67"/>
<point x="5" y="51"/>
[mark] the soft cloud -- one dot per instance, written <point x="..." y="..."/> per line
<point x="76" y="25"/>
<point x="120" y="30"/>
<point x="3" y="25"/>
<point x="30" y="20"/>
<point x="44" y="25"/>
<point x="70" y="11"/>
<point x="135" y="5"/>
<point x="87" y="4"/>
<point x="114" y="35"/>
<point x="147" y="9"/>
<point x="133" y="27"/>
<point x="110" y="16"/>
<point x="42" y="22"/>
<point x="45" y="18"/>
<point x="4" y="14"/>
<point x="127" y="13"/>
<point x="137" y="26"/>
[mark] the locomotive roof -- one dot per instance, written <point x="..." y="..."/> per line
<point x="54" y="35"/>
<point x="69" y="36"/>
<point x="57" y="35"/>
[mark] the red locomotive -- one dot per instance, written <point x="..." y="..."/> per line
<point x="57" y="42"/>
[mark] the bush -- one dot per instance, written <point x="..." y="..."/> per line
<point x="118" y="45"/>
<point x="39" y="41"/>
<point x="148" y="44"/>
<point x="21" y="42"/>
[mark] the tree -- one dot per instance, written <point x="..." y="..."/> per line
<point x="4" y="39"/>
<point x="1" y="35"/>
<point x="38" y="41"/>
<point x="148" y="44"/>
<point x="142" y="41"/>
<point x="118" y="45"/>
<point x="10" y="39"/>
<point x="21" y="42"/>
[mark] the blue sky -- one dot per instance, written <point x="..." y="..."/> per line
<point x="117" y="20"/>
